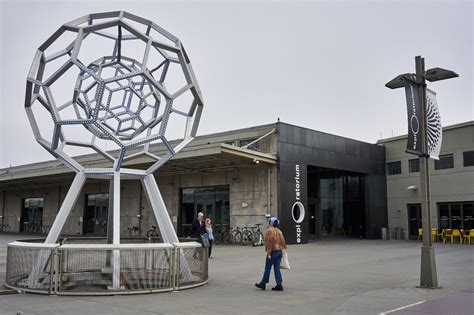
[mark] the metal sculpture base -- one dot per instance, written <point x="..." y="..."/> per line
<point x="160" y="212"/>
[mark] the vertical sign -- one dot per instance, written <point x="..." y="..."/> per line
<point x="298" y="211"/>
<point x="433" y="119"/>
<point x="414" y="144"/>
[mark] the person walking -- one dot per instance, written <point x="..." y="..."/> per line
<point x="197" y="228"/>
<point x="210" y="234"/>
<point x="274" y="245"/>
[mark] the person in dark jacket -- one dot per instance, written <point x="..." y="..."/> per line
<point x="197" y="228"/>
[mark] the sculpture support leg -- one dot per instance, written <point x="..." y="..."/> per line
<point x="110" y="219"/>
<point x="66" y="208"/>
<point x="110" y="214"/>
<point x="116" y="232"/>
<point x="163" y="219"/>
<point x="57" y="226"/>
<point x="159" y="210"/>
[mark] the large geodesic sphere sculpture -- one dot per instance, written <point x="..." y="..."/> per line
<point x="112" y="83"/>
<point x="120" y="77"/>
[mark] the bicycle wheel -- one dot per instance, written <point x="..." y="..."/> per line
<point x="150" y="233"/>
<point x="254" y="237"/>
<point x="237" y="237"/>
<point x="217" y="238"/>
<point x="226" y="238"/>
<point x="246" y="238"/>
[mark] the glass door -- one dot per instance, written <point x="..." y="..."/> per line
<point x="212" y="201"/>
<point x="32" y="215"/>
<point x="414" y="220"/>
<point x="95" y="214"/>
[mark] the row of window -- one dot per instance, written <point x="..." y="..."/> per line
<point x="254" y="146"/>
<point x="445" y="161"/>
<point x="457" y="215"/>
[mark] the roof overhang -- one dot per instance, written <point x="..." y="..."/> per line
<point x="200" y="159"/>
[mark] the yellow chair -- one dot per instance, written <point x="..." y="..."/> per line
<point x="434" y="234"/>
<point x="470" y="235"/>
<point x="456" y="233"/>
<point x="442" y="235"/>
<point x="420" y="234"/>
<point x="448" y="234"/>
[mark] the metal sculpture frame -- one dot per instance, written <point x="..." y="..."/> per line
<point x="130" y="128"/>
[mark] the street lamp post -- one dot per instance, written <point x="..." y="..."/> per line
<point x="428" y="276"/>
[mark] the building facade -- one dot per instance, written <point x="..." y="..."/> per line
<point x="318" y="184"/>
<point x="451" y="182"/>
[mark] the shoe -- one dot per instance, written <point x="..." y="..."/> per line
<point x="278" y="287"/>
<point x="260" y="285"/>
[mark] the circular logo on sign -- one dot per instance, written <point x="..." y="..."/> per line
<point x="414" y="124"/>
<point x="298" y="212"/>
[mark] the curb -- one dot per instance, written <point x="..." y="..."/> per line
<point x="5" y="291"/>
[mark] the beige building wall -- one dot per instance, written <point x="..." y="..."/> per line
<point x="448" y="185"/>
<point x="252" y="193"/>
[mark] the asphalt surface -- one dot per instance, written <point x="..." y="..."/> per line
<point x="328" y="276"/>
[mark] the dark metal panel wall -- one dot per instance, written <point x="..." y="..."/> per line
<point x="300" y="146"/>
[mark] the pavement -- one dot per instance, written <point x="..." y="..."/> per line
<point x="328" y="276"/>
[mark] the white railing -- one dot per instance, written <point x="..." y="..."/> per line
<point x="105" y="269"/>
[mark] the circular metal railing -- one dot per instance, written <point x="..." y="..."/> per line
<point x="72" y="268"/>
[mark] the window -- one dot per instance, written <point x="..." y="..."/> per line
<point x="394" y="168"/>
<point x="212" y="201"/>
<point x="414" y="165"/>
<point x="414" y="220"/>
<point x="255" y="146"/>
<point x="96" y="214"/>
<point x="457" y="215"/>
<point x="468" y="158"/>
<point x="445" y="161"/>
<point x="32" y="215"/>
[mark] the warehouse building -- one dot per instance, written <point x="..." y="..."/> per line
<point x="318" y="184"/>
<point x="451" y="182"/>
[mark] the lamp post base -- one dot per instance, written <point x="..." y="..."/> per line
<point x="429" y="277"/>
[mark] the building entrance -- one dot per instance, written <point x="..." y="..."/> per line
<point x="414" y="220"/>
<point x="32" y="215"/>
<point x="336" y="203"/>
<point x="212" y="201"/>
<point x="95" y="214"/>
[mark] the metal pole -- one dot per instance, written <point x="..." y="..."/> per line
<point x="428" y="277"/>
<point x="116" y="232"/>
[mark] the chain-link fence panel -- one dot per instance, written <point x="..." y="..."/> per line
<point x="29" y="266"/>
<point x="192" y="260"/>
<point x="98" y="268"/>
<point x="89" y="268"/>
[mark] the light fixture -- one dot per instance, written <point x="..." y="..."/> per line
<point x="412" y="187"/>
<point x="437" y="74"/>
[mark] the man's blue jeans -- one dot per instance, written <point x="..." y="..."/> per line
<point x="275" y="262"/>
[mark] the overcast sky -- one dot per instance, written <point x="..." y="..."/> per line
<point x="317" y="64"/>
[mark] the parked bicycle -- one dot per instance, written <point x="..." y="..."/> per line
<point x="258" y="239"/>
<point x="45" y="229"/>
<point x="4" y="228"/>
<point x="134" y="231"/>
<point x="32" y="227"/>
<point x="153" y="232"/>
<point x="224" y="236"/>
<point x="247" y="236"/>
<point x="236" y="236"/>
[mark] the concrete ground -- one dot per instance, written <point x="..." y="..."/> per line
<point x="329" y="276"/>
